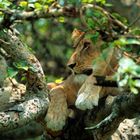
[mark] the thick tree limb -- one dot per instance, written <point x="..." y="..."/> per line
<point x="23" y="113"/>
<point x="20" y="53"/>
<point x="120" y="108"/>
<point x="35" y="99"/>
<point x="52" y="12"/>
<point x="3" y="70"/>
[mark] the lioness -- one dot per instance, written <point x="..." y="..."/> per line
<point x="65" y="94"/>
<point x="88" y="58"/>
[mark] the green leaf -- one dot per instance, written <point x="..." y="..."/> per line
<point x="23" y="4"/>
<point x="126" y="63"/>
<point x="137" y="69"/>
<point x="90" y="23"/>
<point x="38" y="6"/>
<point x="120" y="42"/>
<point x="119" y="17"/>
<point x="104" y="46"/>
<point x="101" y="1"/>
<point x="49" y="1"/>
<point x="108" y="4"/>
<point x="1" y="5"/>
<point x="32" y="1"/>
<point x="91" y="1"/>
<point x="103" y="21"/>
<point x="134" y="90"/>
<point x="89" y="13"/>
<point x="1" y="16"/>
<point x="136" y="31"/>
<point x="123" y="82"/>
<point x="61" y="2"/>
<point x="1" y="13"/>
<point x="137" y="83"/>
<point x="94" y="37"/>
<point x="23" y="78"/>
<point x="21" y="65"/>
<point x="87" y="1"/>
<point x="12" y="72"/>
<point x="59" y="80"/>
<point x="61" y="19"/>
<point x="133" y="41"/>
<point x="45" y="7"/>
<point x="124" y="41"/>
<point x="4" y="3"/>
<point x="98" y="14"/>
<point x="104" y="54"/>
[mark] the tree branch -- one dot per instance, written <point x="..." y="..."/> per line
<point x="20" y="53"/>
<point x="52" y="12"/>
<point x="56" y="11"/>
<point x="21" y="114"/>
<point x="3" y="70"/>
<point x="36" y="97"/>
<point x="119" y="112"/>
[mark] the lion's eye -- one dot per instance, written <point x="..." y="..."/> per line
<point x="86" y="45"/>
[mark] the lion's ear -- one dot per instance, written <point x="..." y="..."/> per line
<point x="76" y="34"/>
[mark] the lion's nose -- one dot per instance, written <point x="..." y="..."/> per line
<point x="71" y="65"/>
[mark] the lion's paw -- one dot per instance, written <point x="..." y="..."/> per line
<point x="86" y="101"/>
<point x="55" y="120"/>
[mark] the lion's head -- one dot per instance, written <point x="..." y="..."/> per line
<point x="85" y="52"/>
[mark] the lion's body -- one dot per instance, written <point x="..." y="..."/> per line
<point x="81" y="91"/>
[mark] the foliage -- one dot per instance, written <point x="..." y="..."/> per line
<point x="44" y="37"/>
<point x="129" y="71"/>
<point x="128" y="75"/>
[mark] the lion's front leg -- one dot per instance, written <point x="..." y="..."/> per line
<point x="58" y="109"/>
<point x="88" y="95"/>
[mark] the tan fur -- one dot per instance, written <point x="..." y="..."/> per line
<point x="83" y="55"/>
<point x="65" y="94"/>
<point x="62" y="96"/>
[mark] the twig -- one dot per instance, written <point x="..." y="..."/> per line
<point x="133" y="22"/>
<point x="4" y="42"/>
